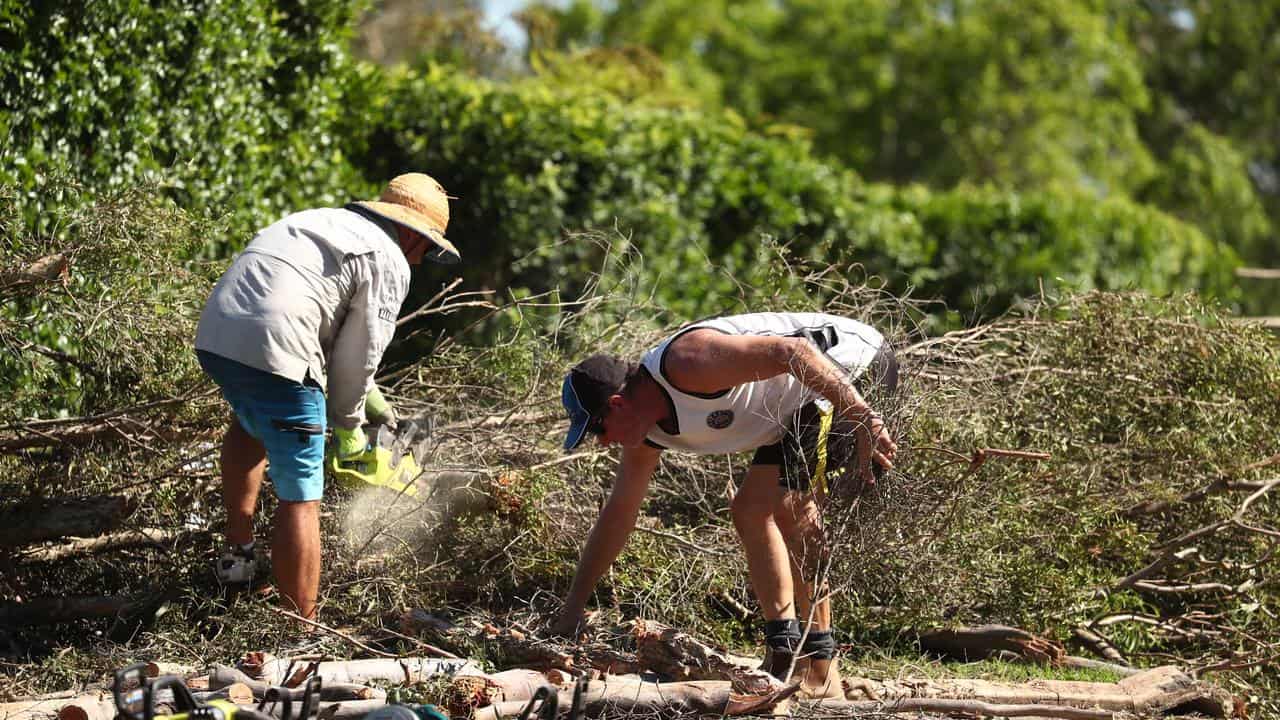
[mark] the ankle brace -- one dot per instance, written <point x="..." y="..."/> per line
<point x="782" y="635"/>
<point x="819" y="645"/>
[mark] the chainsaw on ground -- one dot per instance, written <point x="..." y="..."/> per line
<point x="136" y="699"/>
<point x="391" y="459"/>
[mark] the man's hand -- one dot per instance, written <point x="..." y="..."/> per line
<point x="875" y="447"/>
<point x="349" y="443"/>
<point x="571" y="624"/>
<point x="377" y="410"/>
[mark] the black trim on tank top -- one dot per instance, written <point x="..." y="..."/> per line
<point x="662" y="364"/>
<point x="672" y="415"/>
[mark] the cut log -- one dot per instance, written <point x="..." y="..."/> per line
<point x="221" y="676"/>
<point x="680" y="656"/>
<point x="615" y="697"/>
<point x="156" y="669"/>
<point x="273" y="671"/>
<point x="77" y="547"/>
<point x="46" y="519"/>
<point x="43" y="709"/>
<point x="983" y="641"/>
<point x="101" y="706"/>
<point x="49" y="611"/>
<point x="468" y="692"/>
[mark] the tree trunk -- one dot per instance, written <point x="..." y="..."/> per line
<point x="45" y="519"/>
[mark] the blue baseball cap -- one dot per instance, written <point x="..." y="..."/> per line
<point x="586" y="392"/>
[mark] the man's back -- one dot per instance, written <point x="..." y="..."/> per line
<point x="284" y="298"/>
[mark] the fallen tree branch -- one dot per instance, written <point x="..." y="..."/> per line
<point x="40" y="519"/>
<point x="335" y="633"/>
<point x="680" y="656"/>
<point x="1099" y="644"/>
<point x="50" y="611"/>
<point x="77" y="547"/>
<point x="971" y="643"/>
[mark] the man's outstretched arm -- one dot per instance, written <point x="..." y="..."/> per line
<point x="614" y="525"/>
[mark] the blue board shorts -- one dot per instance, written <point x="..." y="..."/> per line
<point x="287" y="417"/>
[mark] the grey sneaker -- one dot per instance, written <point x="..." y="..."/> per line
<point x="236" y="566"/>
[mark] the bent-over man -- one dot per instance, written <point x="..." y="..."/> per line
<point x="293" y="333"/>
<point x="771" y="383"/>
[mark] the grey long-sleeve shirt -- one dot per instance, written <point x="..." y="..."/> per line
<point x="315" y="294"/>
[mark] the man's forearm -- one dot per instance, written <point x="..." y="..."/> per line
<point x="822" y="375"/>
<point x="604" y="544"/>
<point x="613" y="527"/>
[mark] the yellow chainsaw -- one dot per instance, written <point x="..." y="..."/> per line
<point x="137" y="698"/>
<point x="390" y="459"/>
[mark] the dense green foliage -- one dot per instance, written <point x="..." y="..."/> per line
<point x="261" y="111"/>
<point x="528" y="162"/>
<point x="228" y="104"/>
<point x="1167" y="102"/>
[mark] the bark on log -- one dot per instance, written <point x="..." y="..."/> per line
<point x="273" y="671"/>
<point x="616" y="696"/>
<point x="46" y="519"/>
<point x="680" y="656"/>
<point x="976" y="643"/>
<point x="49" y="611"/>
<point x="76" y="547"/>
<point x="221" y="676"/>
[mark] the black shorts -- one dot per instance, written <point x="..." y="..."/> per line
<point x="808" y="451"/>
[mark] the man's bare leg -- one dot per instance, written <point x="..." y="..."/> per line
<point x="244" y="461"/>
<point x="295" y="555"/>
<point x="762" y="542"/>
<point x="800" y="522"/>
<point x="754" y="508"/>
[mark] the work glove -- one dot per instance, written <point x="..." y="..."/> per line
<point x="349" y="443"/>
<point x="377" y="410"/>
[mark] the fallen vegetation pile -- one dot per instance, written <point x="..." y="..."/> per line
<point x="1098" y="471"/>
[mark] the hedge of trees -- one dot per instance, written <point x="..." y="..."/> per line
<point x="249" y="111"/>
<point x="529" y="162"/>
<point x="1170" y="103"/>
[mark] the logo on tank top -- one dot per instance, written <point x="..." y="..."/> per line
<point x="720" y="419"/>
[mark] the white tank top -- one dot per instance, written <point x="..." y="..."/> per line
<point x="754" y="414"/>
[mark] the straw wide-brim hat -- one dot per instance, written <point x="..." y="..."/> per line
<point x="419" y="203"/>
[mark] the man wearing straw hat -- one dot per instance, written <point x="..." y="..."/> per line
<point x="797" y="390"/>
<point x="293" y="333"/>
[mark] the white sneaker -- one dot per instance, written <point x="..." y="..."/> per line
<point x="236" y="566"/>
